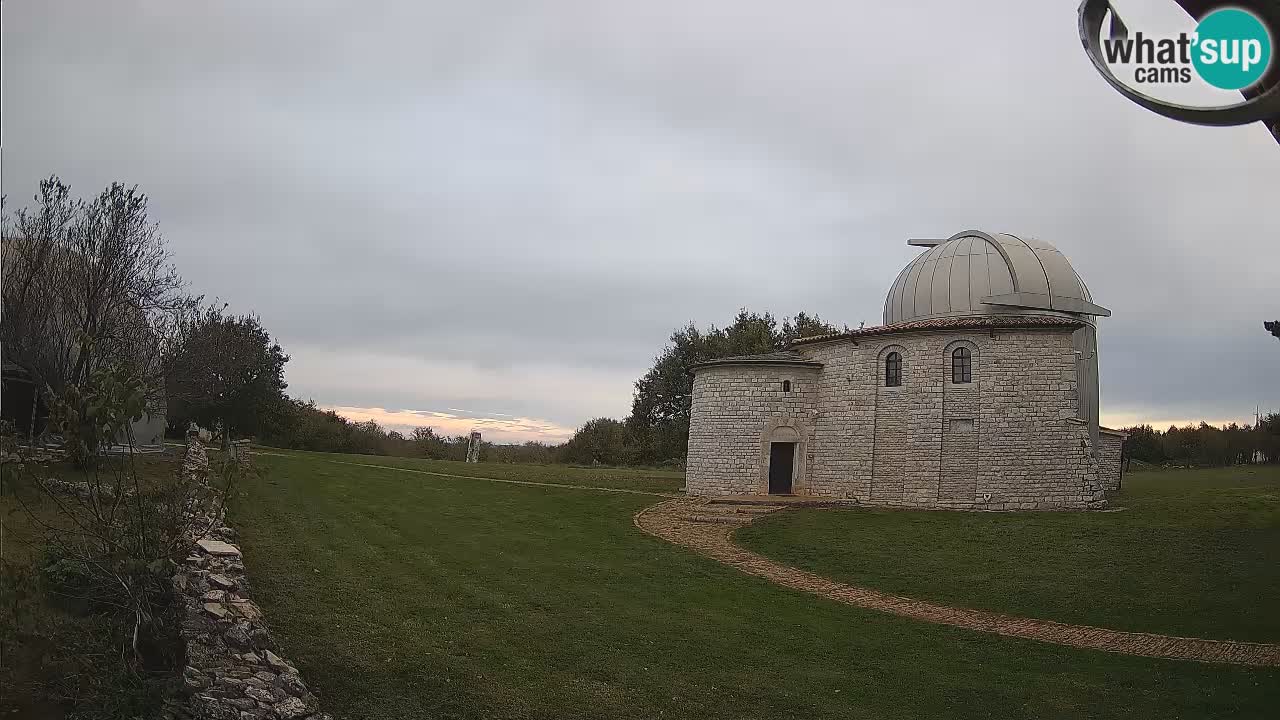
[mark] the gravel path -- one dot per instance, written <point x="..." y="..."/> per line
<point x="708" y="528"/>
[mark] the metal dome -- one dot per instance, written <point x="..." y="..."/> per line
<point x="978" y="273"/>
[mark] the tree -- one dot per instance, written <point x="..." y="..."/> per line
<point x="303" y="426"/>
<point x="225" y="370"/>
<point x="427" y="444"/>
<point x="804" y="325"/>
<point x="87" y="285"/>
<point x="600" y="441"/>
<point x="111" y="535"/>
<point x="1268" y="442"/>
<point x="1273" y="328"/>
<point x="1144" y="443"/>
<point x="1205" y="444"/>
<point x="663" y="396"/>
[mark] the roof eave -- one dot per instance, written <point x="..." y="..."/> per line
<point x="756" y="363"/>
<point x="920" y="326"/>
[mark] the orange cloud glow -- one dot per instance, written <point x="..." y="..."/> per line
<point x="496" y="427"/>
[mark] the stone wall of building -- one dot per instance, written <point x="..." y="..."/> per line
<point x="737" y="411"/>
<point x="961" y="453"/>
<point x="845" y="424"/>
<point x="892" y="420"/>
<point x="1111" y="464"/>
<point x="1008" y="440"/>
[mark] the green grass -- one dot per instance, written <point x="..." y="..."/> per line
<point x="659" y="481"/>
<point x="405" y="595"/>
<point x="1194" y="552"/>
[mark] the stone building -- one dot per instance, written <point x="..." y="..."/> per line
<point x="979" y="391"/>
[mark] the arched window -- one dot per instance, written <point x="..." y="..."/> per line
<point x="893" y="370"/>
<point x="786" y="386"/>
<point x="961" y="365"/>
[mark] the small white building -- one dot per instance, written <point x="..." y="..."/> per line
<point x="979" y="391"/>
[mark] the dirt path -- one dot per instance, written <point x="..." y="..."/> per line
<point x="707" y="529"/>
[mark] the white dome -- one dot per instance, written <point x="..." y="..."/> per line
<point x="978" y="273"/>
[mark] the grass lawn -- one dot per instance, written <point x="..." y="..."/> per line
<point x="659" y="481"/>
<point x="1194" y="552"/>
<point x="405" y="595"/>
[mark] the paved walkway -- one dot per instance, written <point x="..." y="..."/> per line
<point x="707" y="529"/>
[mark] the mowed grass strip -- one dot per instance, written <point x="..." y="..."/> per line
<point x="640" y="479"/>
<point x="403" y="595"/>
<point x="1194" y="553"/>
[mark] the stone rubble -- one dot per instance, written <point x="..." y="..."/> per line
<point x="195" y="464"/>
<point x="38" y="456"/>
<point x="82" y="490"/>
<point x="232" y="670"/>
<point x="213" y="546"/>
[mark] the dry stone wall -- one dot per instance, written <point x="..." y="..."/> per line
<point x="1009" y="440"/>
<point x="233" y="671"/>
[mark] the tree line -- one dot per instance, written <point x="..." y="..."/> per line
<point x="304" y="426"/>
<point x="1205" y="445"/>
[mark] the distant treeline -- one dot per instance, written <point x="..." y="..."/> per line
<point x="1206" y="445"/>
<point x="301" y="425"/>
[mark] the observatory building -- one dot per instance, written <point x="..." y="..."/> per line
<point x="979" y="392"/>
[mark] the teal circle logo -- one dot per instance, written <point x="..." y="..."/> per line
<point x="1232" y="49"/>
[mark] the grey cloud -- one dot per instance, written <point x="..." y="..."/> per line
<point x="497" y="190"/>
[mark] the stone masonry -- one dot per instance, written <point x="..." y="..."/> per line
<point x="1110" y="465"/>
<point x="1010" y="440"/>
<point x="736" y="408"/>
<point x="233" y="671"/>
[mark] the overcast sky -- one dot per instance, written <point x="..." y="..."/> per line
<point x="495" y="213"/>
